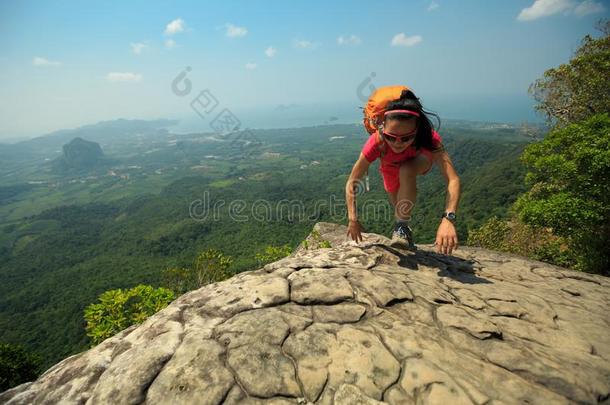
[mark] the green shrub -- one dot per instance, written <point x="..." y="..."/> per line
<point x="119" y="309"/>
<point x="514" y="236"/>
<point x="212" y="266"/>
<point x="272" y="254"/>
<point x="209" y="266"/>
<point x="178" y="279"/>
<point x="316" y="241"/>
<point x="493" y="235"/>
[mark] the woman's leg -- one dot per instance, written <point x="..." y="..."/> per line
<point x="393" y="197"/>
<point x="407" y="191"/>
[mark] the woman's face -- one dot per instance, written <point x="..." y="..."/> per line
<point x="399" y="129"/>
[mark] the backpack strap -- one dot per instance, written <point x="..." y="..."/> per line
<point x="381" y="146"/>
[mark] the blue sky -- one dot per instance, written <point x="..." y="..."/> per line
<point x="69" y="63"/>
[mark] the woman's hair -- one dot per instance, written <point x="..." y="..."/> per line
<point x="408" y="101"/>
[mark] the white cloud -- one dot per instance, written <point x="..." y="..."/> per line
<point x="270" y="51"/>
<point x="174" y="27"/>
<point x="251" y="66"/>
<point x="123" y="77"/>
<point x="304" y="44"/>
<point x="38" y="61"/>
<point x="138" y="47"/>
<point x="589" y="7"/>
<point x="402" y="40"/>
<point x="433" y="6"/>
<point x="544" y="8"/>
<point x="349" y="40"/>
<point x="234" y="31"/>
<point x="170" y="43"/>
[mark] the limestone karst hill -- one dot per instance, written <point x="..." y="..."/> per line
<point x="80" y="154"/>
<point x="358" y="324"/>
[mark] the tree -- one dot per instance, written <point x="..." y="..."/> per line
<point x="119" y="309"/>
<point x="569" y="175"/>
<point x="579" y="89"/>
<point x="178" y="279"/>
<point x="17" y="366"/>
<point x="210" y="266"/>
<point x="569" y="170"/>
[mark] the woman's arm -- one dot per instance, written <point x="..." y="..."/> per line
<point x="442" y="159"/>
<point x="446" y="236"/>
<point x="354" y="228"/>
<point x="360" y="167"/>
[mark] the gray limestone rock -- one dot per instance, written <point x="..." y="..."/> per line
<point x="344" y="323"/>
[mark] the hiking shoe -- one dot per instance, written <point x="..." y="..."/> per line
<point x="403" y="236"/>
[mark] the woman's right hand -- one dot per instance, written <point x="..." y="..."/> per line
<point x="354" y="230"/>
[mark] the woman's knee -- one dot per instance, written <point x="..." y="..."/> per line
<point x="414" y="167"/>
<point x="408" y="169"/>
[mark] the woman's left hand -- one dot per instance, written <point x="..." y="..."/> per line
<point x="446" y="237"/>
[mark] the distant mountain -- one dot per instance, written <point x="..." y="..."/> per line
<point x="284" y="107"/>
<point x="102" y="132"/>
<point x="80" y="154"/>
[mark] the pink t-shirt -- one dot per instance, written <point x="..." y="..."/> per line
<point x="371" y="151"/>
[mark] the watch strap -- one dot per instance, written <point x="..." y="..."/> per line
<point x="450" y="215"/>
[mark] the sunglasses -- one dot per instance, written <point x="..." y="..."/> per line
<point x="403" y="138"/>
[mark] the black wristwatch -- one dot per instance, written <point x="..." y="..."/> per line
<point x="450" y="215"/>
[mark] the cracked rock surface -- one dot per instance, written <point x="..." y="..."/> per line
<point x="358" y="324"/>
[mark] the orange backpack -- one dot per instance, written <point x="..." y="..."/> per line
<point x="375" y="107"/>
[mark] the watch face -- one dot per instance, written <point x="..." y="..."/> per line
<point x="451" y="216"/>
